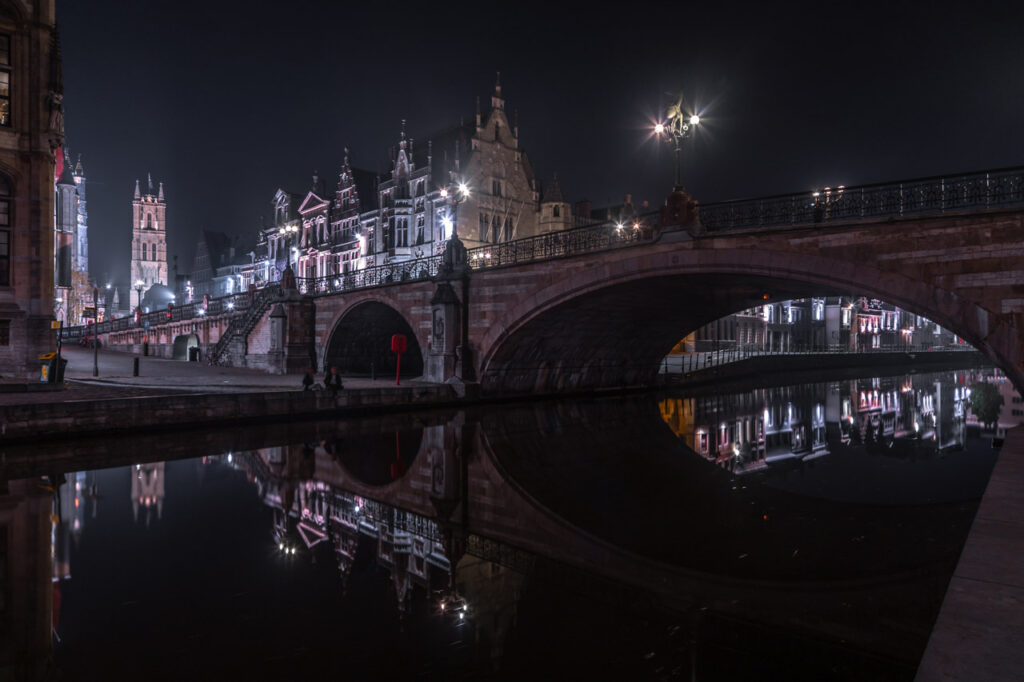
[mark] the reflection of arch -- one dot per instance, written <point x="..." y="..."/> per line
<point x="379" y="459"/>
<point x="619" y="322"/>
<point x="361" y="341"/>
<point x="181" y="345"/>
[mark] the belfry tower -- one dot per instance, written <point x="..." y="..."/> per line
<point x="149" y="240"/>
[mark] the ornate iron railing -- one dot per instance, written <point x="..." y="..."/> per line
<point x="377" y="275"/>
<point x="589" y="238"/>
<point x="982" y="190"/>
<point x="245" y="322"/>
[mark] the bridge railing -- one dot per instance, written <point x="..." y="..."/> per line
<point x="596" y="237"/>
<point x="176" y="313"/>
<point x="941" y="194"/>
<point x="402" y="271"/>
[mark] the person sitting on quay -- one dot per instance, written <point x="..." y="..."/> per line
<point x="332" y="380"/>
<point x="309" y="381"/>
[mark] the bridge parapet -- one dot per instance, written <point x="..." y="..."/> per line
<point x="922" y="196"/>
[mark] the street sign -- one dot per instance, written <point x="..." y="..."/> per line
<point x="89" y="312"/>
<point x="54" y="324"/>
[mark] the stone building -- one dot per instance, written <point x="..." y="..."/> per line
<point x="31" y="131"/>
<point x="149" y="239"/>
<point x="404" y="215"/>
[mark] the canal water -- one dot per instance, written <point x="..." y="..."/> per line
<point x="801" y="532"/>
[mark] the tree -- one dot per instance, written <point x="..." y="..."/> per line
<point x="986" y="402"/>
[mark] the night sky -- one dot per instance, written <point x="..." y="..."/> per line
<point x="226" y="101"/>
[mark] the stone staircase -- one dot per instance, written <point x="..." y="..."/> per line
<point x="243" y="323"/>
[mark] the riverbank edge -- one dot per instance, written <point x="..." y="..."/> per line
<point x="68" y="419"/>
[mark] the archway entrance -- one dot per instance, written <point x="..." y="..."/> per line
<point x="361" y="343"/>
<point x="182" y="344"/>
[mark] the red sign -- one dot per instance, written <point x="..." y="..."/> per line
<point x="398" y="347"/>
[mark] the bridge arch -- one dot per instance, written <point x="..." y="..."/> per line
<point x="360" y="341"/>
<point x="611" y="325"/>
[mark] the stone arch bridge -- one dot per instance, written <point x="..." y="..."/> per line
<point x="600" y="306"/>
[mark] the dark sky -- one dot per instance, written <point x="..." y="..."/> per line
<point x="225" y="101"/>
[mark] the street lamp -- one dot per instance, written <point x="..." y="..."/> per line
<point x="287" y="231"/>
<point x="677" y="126"/>
<point x="138" y="288"/>
<point x="454" y="196"/>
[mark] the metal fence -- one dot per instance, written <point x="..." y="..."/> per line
<point x="982" y="190"/>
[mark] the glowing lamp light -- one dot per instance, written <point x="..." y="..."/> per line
<point x="694" y="120"/>
<point x="463" y="189"/>
<point x="659" y="129"/>
<point x="444" y="195"/>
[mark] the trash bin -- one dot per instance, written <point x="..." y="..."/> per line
<point x="46" y="361"/>
<point x="193" y="354"/>
<point x="49" y="372"/>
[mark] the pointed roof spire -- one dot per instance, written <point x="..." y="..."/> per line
<point x="554" y="191"/>
<point x="344" y="162"/>
<point x="149" y="179"/>
<point x="137" y="193"/>
<point x="66" y="177"/>
<point x="496" y="100"/>
<point x="160" y="196"/>
<point x="478" y="111"/>
<point x="78" y="166"/>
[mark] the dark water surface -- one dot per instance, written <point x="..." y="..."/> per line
<point x="798" y="533"/>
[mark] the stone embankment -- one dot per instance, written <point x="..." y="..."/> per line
<point x="49" y="420"/>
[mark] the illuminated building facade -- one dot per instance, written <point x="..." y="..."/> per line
<point x="149" y="240"/>
<point x="31" y="134"/>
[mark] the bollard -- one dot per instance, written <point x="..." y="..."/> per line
<point x="135" y="367"/>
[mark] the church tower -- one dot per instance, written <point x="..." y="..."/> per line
<point x="149" y="240"/>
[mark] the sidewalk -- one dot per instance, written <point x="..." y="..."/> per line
<point x="159" y="376"/>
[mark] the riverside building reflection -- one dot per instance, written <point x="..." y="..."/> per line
<point x="585" y="538"/>
<point x="745" y="432"/>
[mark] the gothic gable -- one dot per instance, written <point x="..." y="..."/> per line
<point x="311" y="203"/>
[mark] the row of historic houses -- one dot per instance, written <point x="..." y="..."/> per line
<point x="369" y="219"/>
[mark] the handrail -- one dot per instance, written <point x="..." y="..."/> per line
<point x="939" y="194"/>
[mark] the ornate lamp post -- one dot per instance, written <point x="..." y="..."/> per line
<point x="138" y="288"/>
<point x="677" y="126"/>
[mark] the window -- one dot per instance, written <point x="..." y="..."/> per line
<point x="5" y="332"/>
<point x="485" y="227"/>
<point x="496" y="229"/>
<point x="420" y="221"/>
<point x="5" y="81"/>
<point x="143" y="252"/>
<point x="149" y="221"/>
<point x="5" y="234"/>
<point x="496" y="187"/>
<point x="556" y="210"/>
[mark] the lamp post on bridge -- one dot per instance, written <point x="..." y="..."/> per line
<point x="676" y="127"/>
<point x="138" y="288"/>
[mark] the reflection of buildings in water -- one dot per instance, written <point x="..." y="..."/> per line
<point x="148" y="490"/>
<point x="76" y="499"/>
<point x="746" y="432"/>
<point x="26" y="569"/>
<point x="494" y="592"/>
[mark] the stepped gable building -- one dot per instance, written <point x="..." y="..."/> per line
<point x="31" y="133"/>
<point x="65" y="225"/>
<point x="149" y="239"/>
<point x="401" y="216"/>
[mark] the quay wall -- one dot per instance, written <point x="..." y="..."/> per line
<point x="47" y="421"/>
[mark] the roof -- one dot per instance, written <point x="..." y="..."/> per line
<point x="553" y="192"/>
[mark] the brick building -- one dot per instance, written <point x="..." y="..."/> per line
<point x="31" y="133"/>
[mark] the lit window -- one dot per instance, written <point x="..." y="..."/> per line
<point x="5" y="81"/>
